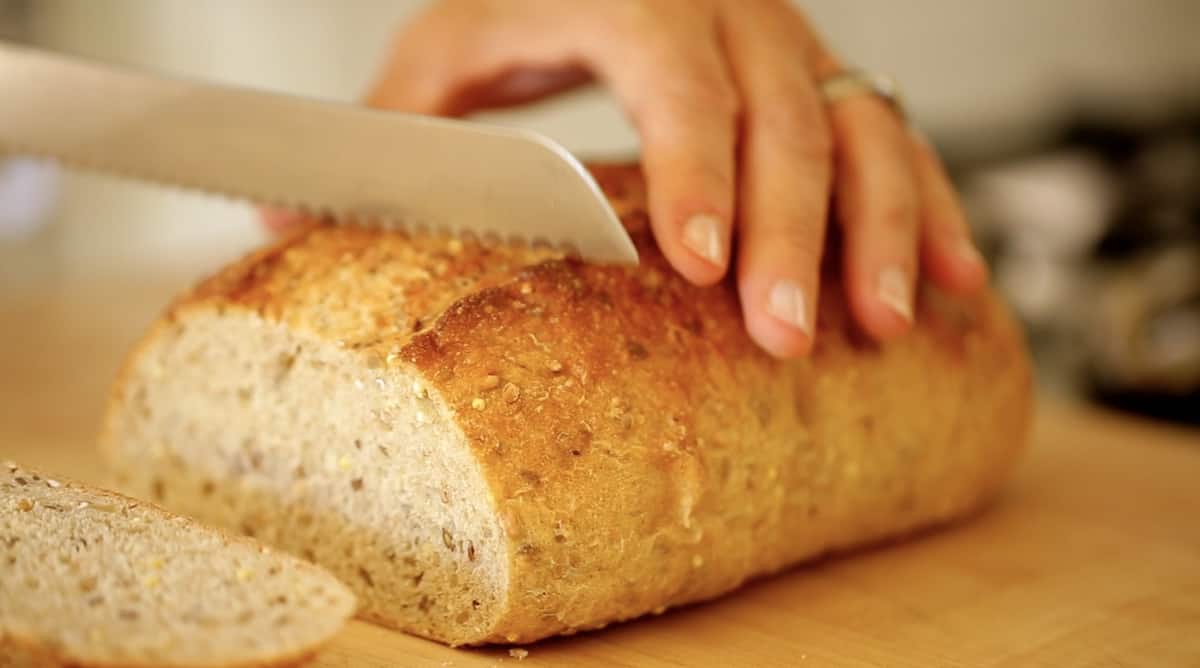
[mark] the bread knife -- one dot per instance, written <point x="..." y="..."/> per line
<point x="349" y="163"/>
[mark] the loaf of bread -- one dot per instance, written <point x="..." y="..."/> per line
<point x="499" y="445"/>
<point x="92" y="578"/>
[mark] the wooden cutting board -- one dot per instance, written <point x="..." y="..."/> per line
<point x="1090" y="558"/>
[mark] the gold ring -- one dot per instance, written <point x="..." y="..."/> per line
<point x="857" y="82"/>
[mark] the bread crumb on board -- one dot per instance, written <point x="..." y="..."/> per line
<point x="518" y="653"/>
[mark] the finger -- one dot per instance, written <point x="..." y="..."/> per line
<point x="435" y="37"/>
<point x="947" y="252"/>
<point x="785" y="176"/>
<point x="279" y="220"/>
<point x="667" y="71"/>
<point x="522" y="85"/>
<point x="673" y="82"/>
<point x="878" y="207"/>
<point x="460" y="57"/>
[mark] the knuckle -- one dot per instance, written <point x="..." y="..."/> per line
<point x="730" y="102"/>
<point x="718" y="178"/>
<point x="695" y="110"/>
<point x="797" y="241"/>
<point x="793" y="129"/>
<point x="819" y="144"/>
<point x="634" y="18"/>
<point x="808" y="145"/>
<point x="711" y="93"/>
<point x="949" y="225"/>
<point x="899" y="216"/>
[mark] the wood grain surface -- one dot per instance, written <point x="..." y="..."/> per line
<point x="1090" y="558"/>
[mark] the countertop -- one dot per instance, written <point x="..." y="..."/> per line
<point x="1091" y="556"/>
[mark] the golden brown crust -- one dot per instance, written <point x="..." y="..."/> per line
<point x="641" y="451"/>
<point x="640" y="399"/>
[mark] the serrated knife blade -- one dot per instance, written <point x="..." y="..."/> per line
<point x="354" y="164"/>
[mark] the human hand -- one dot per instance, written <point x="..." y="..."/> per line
<point x="736" y="140"/>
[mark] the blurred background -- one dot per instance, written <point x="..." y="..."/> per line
<point x="1072" y="128"/>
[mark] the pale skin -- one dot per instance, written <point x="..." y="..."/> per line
<point x="737" y="144"/>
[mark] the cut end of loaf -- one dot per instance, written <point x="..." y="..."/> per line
<point x="353" y="463"/>
<point x="93" y="578"/>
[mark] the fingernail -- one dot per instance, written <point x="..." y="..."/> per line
<point x="893" y="289"/>
<point x="786" y="302"/>
<point x="702" y="236"/>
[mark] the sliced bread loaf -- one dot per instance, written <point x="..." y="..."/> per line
<point x="497" y="445"/>
<point x="92" y="578"/>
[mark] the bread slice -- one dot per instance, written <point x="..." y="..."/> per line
<point x="498" y="445"/>
<point x="92" y="578"/>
